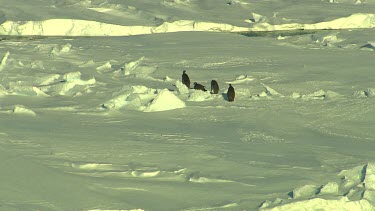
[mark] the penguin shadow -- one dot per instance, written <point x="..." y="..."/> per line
<point x="225" y="96"/>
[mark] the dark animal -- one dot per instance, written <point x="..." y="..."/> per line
<point x="214" y="87"/>
<point x="185" y="79"/>
<point x="231" y="94"/>
<point x="199" y="86"/>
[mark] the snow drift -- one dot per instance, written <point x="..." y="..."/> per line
<point x="354" y="191"/>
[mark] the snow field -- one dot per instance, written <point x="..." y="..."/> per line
<point x="84" y="113"/>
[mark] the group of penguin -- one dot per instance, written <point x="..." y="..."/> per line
<point x="214" y="87"/>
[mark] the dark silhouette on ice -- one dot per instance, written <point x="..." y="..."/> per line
<point x="214" y="87"/>
<point x="231" y="94"/>
<point x="199" y="87"/>
<point x="185" y="79"/>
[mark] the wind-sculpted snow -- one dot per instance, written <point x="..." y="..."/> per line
<point x="71" y="27"/>
<point x="354" y="21"/>
<point x="354" y="191"/>
<point x="144" y="99"/>
<point x="74" y="27"/>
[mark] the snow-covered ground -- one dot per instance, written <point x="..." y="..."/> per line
<point x="94" y="116"/>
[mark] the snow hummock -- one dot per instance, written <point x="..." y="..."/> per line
<point x="20" y="109"/>
<point x="181" y="88"/>
<point x="73" y="83"/>
<point x="355" y="191"/>
<point x="142" y="98"/>
<point x="199" y="95"/>
<point x="165" y="100"/>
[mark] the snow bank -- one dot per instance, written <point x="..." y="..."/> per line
<point x="359" y="20"/>
<point x="355" y="191"/>
<point x="74" y="27"/>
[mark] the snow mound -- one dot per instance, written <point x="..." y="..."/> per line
<point x="268" y="93"/>
<point x="144" y="99"/>
<point x="138" y="68"/>
<point x="199" y="95"/>
<point x="358" y="20"/>
<point x="59" y="50"/>
<point x="365" y="93"/>
<point x="241" y="79"/>
<point x="20" y="109"/>
<point x="75" y="27"/>
<point x="73" y="84"/>
<point x="133" y="98"/>
<point x="181" y="88"/>
<point x="271" y="92"/>
<point x="107" y="67"/>
<point x="165" y="100"/>
<point x="318" y="95"/>
<point x="354" y="191"/>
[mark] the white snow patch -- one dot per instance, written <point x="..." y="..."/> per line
<point x="318" y="95"/>
<point x="60" y="50"/>
<point x="72" y="80"/>
<point x="199" y="95"/>
<point x="4" y="60"/>
<point x="241" y="79"/>
<point x="89" y="63"/>
<point x="92" y="166"/>
<point x="329" y="188"/>
<point x="74" y="27"/>
<point x="145" y="174"/>
<point x="39" y="92"/>
<point x="20" y="109"/>
<point x="342" y="204"/>
<point x="138" y="68"/>
<point x="135" y="98"/>
<point x="181" y="88"/>
<point x="105" y="67"/>
<point x="355" y="192"/>
<point x="165" y="100"/>
<point x="271" y="92"/>
<point x="305" y="191"/>
<point x="358" y="20"/>
<point x="255" y="18"/>
<point x="144" y="99"/>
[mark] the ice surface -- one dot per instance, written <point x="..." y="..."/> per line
<point x="94" y="117"/>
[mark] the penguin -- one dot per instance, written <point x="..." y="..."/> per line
<point x="185" y="79"/>
<point x="231" y="94"/>
<point x="199" y="87"/>
<point x="214" y="87"/>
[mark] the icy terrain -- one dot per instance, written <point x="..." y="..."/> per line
<point x="94" y="116"/>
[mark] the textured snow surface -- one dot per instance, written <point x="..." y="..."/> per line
<point x="94" y="116"/>
<point x="349" y="193"/>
